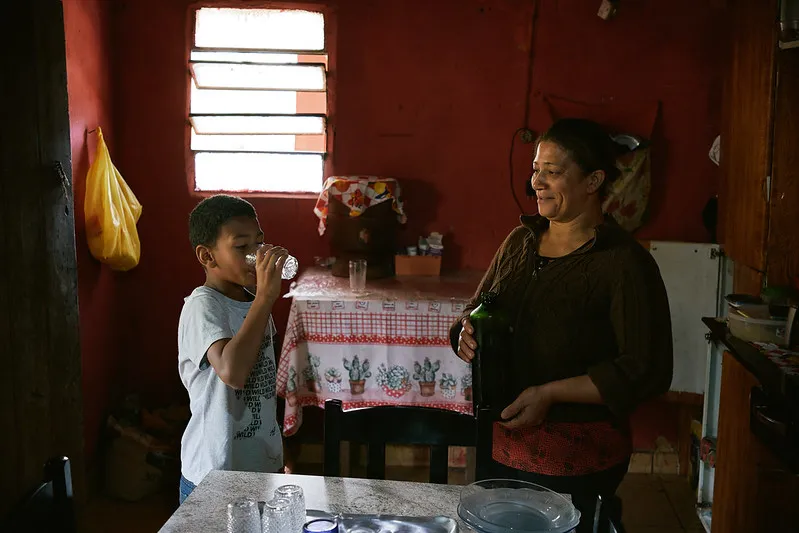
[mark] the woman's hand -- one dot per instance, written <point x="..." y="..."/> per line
<point x="529" y="409"/>
<point x="466" y="343"/>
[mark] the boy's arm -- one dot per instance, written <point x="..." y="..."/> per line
<point x="233" y="359"/>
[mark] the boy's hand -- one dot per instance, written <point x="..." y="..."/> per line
<point x="268" y="271"/>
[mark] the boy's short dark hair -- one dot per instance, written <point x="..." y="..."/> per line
<point x="207" y="219"/>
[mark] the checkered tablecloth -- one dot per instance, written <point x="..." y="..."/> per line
<point x="387" y="347"/>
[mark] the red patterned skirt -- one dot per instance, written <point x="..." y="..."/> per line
<point x="562" y="448"/>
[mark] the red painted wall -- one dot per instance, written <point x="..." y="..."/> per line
<point x="151" y="105"/>
<point x="430" y="93"/>
<point x="667" y="51"/>
<point x="88" y="47"/>
<point x="443" y="86"/>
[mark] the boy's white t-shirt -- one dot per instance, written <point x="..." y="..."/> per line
<point x="229" y="429"/>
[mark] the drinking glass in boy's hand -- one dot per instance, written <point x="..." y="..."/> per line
<point x="290" y="267"/>
<point x="268" y="268"/>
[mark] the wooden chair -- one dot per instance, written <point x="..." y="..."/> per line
<point x="48" y="507"/>
<point x="378" y="426"/>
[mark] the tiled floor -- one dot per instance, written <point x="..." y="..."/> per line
<point x="652" y="504"/>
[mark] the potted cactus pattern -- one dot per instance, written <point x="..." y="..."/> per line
<point x="425" y="374"/>
<point x="395" y="380"/>
<point x="311" y="374"/>
<point x="466" y="386"/>
<point x="291" y="387"/>
<point x="333" y="378"/>
<point x="448" y="386"/>
<point x="358" y="373"/>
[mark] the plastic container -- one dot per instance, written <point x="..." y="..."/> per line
<point x="754" y="329"/>
<point x="750" y="310"/>
<point x="320" y="525"/>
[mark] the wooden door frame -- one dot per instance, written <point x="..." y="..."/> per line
<point x="40" y="382"/>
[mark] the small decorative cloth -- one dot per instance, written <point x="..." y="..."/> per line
<point x="359" y="193"/>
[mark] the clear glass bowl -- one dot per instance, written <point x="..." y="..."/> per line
<point x="503" y="505"/>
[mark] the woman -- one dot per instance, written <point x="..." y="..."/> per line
<point x="591" y="320"/>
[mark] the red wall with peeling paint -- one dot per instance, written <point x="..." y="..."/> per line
<point x="89" y="84"/>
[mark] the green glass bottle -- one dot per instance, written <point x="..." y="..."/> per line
<point x="492" y="332"/>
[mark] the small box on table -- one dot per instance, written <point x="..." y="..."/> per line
<point x="417" y="265"/>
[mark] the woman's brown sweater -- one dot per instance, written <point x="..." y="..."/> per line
<point x="601" y="310"/>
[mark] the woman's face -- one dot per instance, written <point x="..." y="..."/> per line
<point x="563" y="191"/>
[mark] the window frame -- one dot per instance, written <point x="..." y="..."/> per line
<point x="328" y="12"/>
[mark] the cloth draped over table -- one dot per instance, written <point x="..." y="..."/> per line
<point x="359" y="193"/>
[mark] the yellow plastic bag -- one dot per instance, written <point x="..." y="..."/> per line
<point x="111" y="211"/>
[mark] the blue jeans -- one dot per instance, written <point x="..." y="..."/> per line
<point x="186" y="487"/>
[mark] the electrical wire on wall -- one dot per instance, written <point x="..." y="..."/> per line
<point x="527" y="135"/>
<point x="510" y="163"/>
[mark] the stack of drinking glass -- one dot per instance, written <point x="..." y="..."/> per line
<point x="284" y="513"/>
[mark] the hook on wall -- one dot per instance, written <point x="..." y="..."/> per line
<point x="608" y="9"/>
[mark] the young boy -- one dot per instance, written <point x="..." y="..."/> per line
<point x="226" y="359"/>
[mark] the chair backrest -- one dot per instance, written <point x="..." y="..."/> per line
<point x="378" y="426"/>
<point x="48" y="507"/>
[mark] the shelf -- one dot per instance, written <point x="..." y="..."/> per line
<point x="773" y="379"/>
<point x="787" y="45"/>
